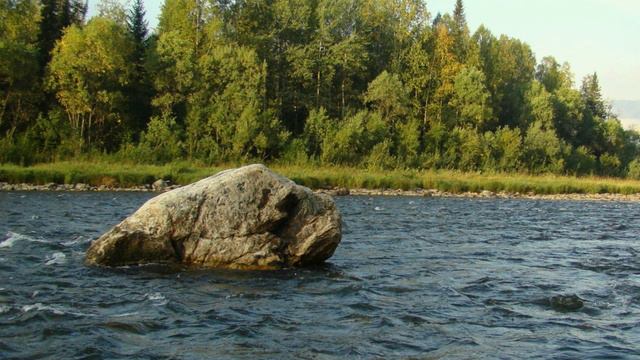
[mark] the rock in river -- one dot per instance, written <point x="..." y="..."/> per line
<point x="566" y="302"/>
<point x="246" y="218"/>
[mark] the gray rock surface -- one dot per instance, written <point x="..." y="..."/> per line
<point x="246" y="218"/>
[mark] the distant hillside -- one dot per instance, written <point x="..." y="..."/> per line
<point x="628" y="112"/>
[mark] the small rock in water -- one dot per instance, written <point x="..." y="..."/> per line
<point x="159" y="185"/>
<point x="566" y="302"/>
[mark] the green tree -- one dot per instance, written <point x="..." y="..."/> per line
<point x="539" y="106"/>
<point x="409" y="143"/>
<point x="281" y="33"/>
<point x="460" y="32"/>
<point x="388" y="96"/>
<point x="551" y="75"/>
<point x="56" y="15"/>
<point x="354" y="140"/>
<point x="503" y="150"/>
<point x="470" y="150"/>
<point x="471" y="99"/>
<point x="140" y="89"/>
<point x="542" y="150"/>
<point x="446" y="68"/>
<point x="513" y="69"/>
<point x="595" y="112"/>
<point x="72" y="12"/>
<point x="388" y="28"/>
<point x="226" y="107"/>
<point x="317" y="130"/>
<point x="89" y="71"/>
<point x="160" y="143"/>
<point x="19" y="82"/>
<point x="591" y="93"/>
<point x="113" y="10"/>
<point x="581" y="161"/>
<point x="420" y="79"/>
<point x="634" y="169"/>
<point x="568" y="109"/>
<point x="346" y="145"/>
<point x="49" y="31"/>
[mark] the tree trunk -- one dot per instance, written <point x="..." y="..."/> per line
<point x="89" y="129"/>
<point x="318" y="79"/>
<point x="319" y="76"/>
<point x="4" y="107"/>
<point x="343" y="101"/>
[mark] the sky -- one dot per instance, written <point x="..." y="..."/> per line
<point x="591" y="35"/>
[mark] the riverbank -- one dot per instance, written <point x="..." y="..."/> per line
<point x="429" y="193"/>
<point x="98" y="176"/>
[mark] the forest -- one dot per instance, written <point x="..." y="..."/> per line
<point x="376" y="84"/>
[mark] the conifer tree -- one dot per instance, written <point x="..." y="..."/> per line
<point x="459" y="16"/>
<point x="140" y="94"/>
<point x="49" y="31"/>
<point x="592" y="97"/>
<point x="460" y="32"/>
<point x="65" y="14"/>
<point x="138" y="28"/>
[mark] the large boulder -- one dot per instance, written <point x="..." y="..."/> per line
<point x="246" y="218"/>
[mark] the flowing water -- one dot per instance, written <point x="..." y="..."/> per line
<point x="412" y="278"/>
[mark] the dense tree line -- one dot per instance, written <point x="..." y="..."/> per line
<point x="377" y="83"/>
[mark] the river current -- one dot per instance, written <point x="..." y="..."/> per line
<point x="418" y="278"/>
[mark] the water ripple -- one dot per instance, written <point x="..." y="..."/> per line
<point x="413" y="278"/>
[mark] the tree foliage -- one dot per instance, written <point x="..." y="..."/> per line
<point x="376" y="83"/>
<point x="88" y="72"/>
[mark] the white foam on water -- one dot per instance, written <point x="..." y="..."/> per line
<point x="13" y="238"/>
<point x="57" y="258"/>
<point x="75" y="241"/>
<point x="57" y="310"/>
<point x="378" y="208"/>
<point x="4" y="309"/>
<point x="126" y="314"/>
<point x="156" y="298"/>
<point x="41" y="307"/>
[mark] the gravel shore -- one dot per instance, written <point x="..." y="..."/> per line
<point x="162" y="187"/>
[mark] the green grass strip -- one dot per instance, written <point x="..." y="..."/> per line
<point x="129" y="175"/>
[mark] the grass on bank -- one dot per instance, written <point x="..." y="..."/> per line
<point x="128" y="175"/>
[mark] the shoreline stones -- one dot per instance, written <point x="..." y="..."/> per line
<point x="80" y="187"/>
<point x="340" y="191"/>
<point x="245" y="218"/>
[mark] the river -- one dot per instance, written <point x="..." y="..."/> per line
<point x="412" y="278"/>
